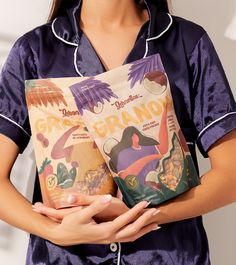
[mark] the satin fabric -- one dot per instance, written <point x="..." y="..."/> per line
<point x="178" y="243"/>
<point x="203" y="102"/>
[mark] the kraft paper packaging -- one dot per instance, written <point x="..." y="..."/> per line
<point x="68" y="160"/>
<point x="130" y="114"/>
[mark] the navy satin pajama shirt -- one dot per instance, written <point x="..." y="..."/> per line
<point x="203" y="102"/>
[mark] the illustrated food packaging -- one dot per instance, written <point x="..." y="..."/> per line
<point x="68" y="160"/>
<point x="129" y="113"/>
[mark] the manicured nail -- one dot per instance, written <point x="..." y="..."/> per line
<point x="71" y="199"/>
<point x="156" y="227"/>
<point x="36" y="210"/>
<point x="148" y="203"/>
<point x="156" y="212"/>
<point x="106" y="198"/>
<point x="37" y="204"/>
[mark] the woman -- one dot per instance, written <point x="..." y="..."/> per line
<point x="135" y="154"/>
<point x="88" y="38"/>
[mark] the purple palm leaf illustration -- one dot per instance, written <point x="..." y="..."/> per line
<point x="90" y="92"/>
<point x="140" y="67"/>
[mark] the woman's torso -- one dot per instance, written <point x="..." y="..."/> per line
<point x="53" y="52"/>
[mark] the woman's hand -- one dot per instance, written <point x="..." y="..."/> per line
<point x="115" y="208"/>
<point x="55" y="214"/>
<point x="79" y="227"/>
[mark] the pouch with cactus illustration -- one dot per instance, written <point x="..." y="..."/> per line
<point x="67" y="158"/>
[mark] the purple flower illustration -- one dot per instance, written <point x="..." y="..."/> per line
<point x="140" y="67"/>
<point x="90" y="92"/>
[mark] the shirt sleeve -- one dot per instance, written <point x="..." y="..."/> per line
<point x="14" y="122"/>
<point x="214" y="112"/>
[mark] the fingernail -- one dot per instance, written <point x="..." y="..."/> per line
<point x="148" y="203"/>
<point x="156" y="227"/>
<point x="71" y="199"/>
<point x="36" y="210"/>
<point x="156" y="212"/>
<point x="106" y="198"/>
<point x="37" y="204"/>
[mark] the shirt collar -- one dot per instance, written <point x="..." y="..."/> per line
<point x="66" y="28"/>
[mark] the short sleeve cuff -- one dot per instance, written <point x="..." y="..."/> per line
<point x="214" y="131"/>
<point x="15" y="132"/>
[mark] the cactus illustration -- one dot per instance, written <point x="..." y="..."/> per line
<point x="65" y="178"/>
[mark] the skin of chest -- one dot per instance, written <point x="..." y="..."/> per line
<point x="112" y="47"/>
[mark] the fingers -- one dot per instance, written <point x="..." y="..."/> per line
<point x="133" y="228"/>
<point x="129" y="216"/>
<point x="132" y="224"/>
<point x="125" y="228"/>
<point x="94" y="208"/>
<point x="54" y="213"/>
<point x="116" y="208"/>
<point x="98" y="203"/>
<point x="145" y="230"/>
<point x="80" y="228"/>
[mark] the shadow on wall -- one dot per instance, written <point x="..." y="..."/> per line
<point x="29" y="173"/>
<point x="231" y="30"/>
<point x="215" y="17"/>
<point x="6" y="233"/>
<point x="218" y="22"/>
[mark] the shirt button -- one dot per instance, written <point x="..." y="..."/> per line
<point x="113" y="247"/>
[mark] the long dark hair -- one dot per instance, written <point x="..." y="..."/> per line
<point x="126" y="142"/>
<point x="59" y="7"/>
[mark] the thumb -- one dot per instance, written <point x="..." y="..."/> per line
<point x="94" y="208"/>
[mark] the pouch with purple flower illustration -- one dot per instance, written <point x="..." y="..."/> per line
<point x="130" y="115"/>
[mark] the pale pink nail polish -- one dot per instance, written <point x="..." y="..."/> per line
<point x="36" y="210"/>
<point x="148" y="203"/>
<point x="71" y="199"/>
<point x="106" y="198"/>
<point x="156" y="227"/>
<point x="37" y="204"/>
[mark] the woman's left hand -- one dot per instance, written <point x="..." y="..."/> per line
<point x="115" y="209"/>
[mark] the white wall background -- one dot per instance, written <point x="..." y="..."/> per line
<point x="219" y="19"/>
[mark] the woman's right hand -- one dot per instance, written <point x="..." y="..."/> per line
<point x="80" y="228"/>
